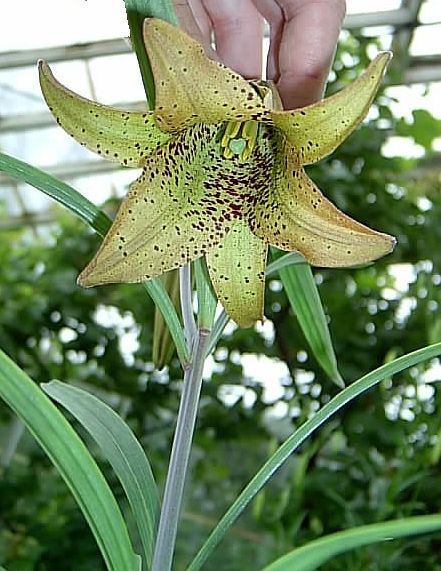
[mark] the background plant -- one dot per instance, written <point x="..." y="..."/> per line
<point x="378" y="461"/>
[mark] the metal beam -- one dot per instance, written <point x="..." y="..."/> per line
<point x="422" y="73"/>
<point x="403" y="37"/>
<point x="34" y="219"/>
<point x="102" y="48"/>
<point x="396" y="18"/>
<point x="43" y="119"/>
<point x="25" y="122"/>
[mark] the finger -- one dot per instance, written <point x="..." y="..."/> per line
<point x="238" y="31"/>
<point x="307" y="47"/>
<point x="303" y="36"/>
<point x="273" y="14"/>
<point x="194" y="20"/>
<point x="201" y="18"/>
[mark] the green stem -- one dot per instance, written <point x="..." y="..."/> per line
<point x="180" y="454"/>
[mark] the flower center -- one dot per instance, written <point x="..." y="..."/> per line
<point x="239" y="138"/>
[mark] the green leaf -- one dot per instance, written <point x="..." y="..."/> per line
<point x="163" y="346"/>
<point x="283" y="261"/>
<point x="318" y="552"/>
<point x="207" y="300"/>
<point x="121" y="448"/>
<point x="300" y="435"/>
<point x="58" y="190"/>
<point x="100" y="222"/>
<point x="74" y="463"/>
<point x="137" y="11"/>
<point x="159" y="294"/>
<point x="162" y="9"/>
<point x="218" y="329"/>
<point x="305" y="301"/>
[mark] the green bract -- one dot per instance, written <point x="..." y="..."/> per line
<point x="222" y="173"/>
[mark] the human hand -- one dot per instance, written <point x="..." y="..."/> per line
<point x="303" y="37"/>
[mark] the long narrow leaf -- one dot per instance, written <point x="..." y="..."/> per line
<point x="300" y="435"/>
<point x="207" y="300"/>
<point x="284" y="261"/>
<point x="100" y="222"/>
<point x="73" y="461"/>
<point x="305" y="301"/>
<point x="162" y="9"/>
<point x="318" y="552"/>
<point x="58" y="190"/>
<point x="163" y="346"/>
<point x="218" y="328"/>
<point x="137" y="10"/>
<point x="160" y="296"/>
<point x="123" y="451"/>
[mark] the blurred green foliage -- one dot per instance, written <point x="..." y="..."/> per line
<point x="378" y="460"/>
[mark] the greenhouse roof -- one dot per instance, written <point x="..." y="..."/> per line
<point x="96" y="61"/>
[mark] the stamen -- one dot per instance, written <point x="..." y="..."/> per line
<point x="231" y="131"/>
<point x="239" y="139"/>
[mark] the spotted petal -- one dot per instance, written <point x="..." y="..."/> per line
<point x="317" y="130"/>
<point x="181" y="207"/>
<point x="296" y="216"/>
<point x="191" y="88"/>
<point x="237" y="271"/>
<point x="123" y="136"/>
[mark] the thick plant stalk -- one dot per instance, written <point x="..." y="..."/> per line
<point x="180" y="454"/>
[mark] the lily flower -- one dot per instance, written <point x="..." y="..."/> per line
<point x="222" y="173"/>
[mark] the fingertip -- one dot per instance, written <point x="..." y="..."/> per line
<point x="303" y="85"/>
<point x="307" y="49"/>
<point x="238" y="31"/>
<point x="240" y="47"/>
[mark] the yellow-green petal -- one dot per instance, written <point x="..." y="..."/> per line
<point x="317" y="130"/>
<point x="296" y="216"/>
<point x="180" y="208"/>
<point x="191" y="88"/>
<point x="237" y="271"/>
<point x="125" y="137"/>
